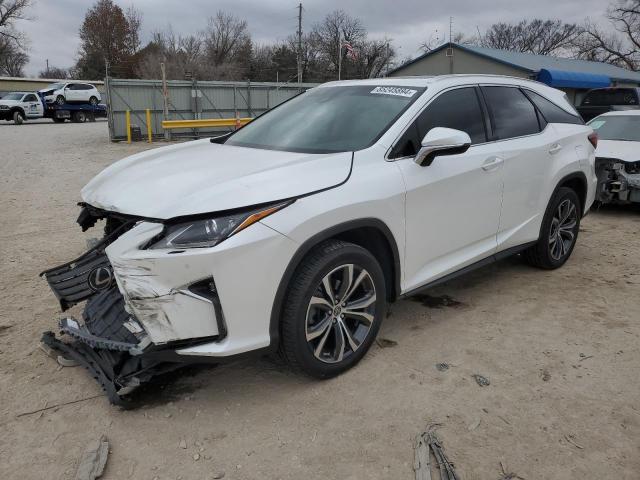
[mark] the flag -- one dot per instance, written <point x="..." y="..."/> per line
<point x="350" y="50"/>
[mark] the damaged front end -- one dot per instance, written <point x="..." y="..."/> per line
<point x="618" y="181"/>
<point x="109" y="341"/>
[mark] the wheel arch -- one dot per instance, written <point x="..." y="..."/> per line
<point x="577" y="181"/>
<point x="370" y="233"/>
<point x="17" y="109"/>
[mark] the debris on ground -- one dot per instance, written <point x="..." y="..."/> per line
<point x="427" y="443"/>
<point x="66" y="362"/>
<point x="3" y="328"/>
<point x="569" y="438"/>
<point x="506" y="475"/>
<point x="436" y="301"/>
<point x="47" y="350"/>
<point x="93" y="460"/>
<point x="183" y="444"/>
<point x="386" y="343"/>
<point x="584" y="357"/>
<point x="481" y="380"/>
<point x="218" y="475"/>
<point x="442" y="367"/>
<point x="546" y="376"/>
<point x="49" y="407"/>
<point x="475" y="424"/>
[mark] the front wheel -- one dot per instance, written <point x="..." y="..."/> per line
<point x="18" y="118"/>
<point x="333" y="309"/>
<point x="60" y="100"/>
<point x="559" y="231"/>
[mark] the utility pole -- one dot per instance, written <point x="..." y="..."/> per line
<point x="300" y="43"/>
<point x="106" y="67"/>
<point x="47" y="67"/>
<point x="450" y="49"/>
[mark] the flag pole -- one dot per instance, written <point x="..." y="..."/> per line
<point x="339" y="53"/>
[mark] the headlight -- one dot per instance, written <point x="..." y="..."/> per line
<point x="211" y="231"/>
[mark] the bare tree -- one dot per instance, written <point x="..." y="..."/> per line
<point x="337" y="26"/>
<point x="13" y="56"/>
<point x="54" y="73"/>
<point x="226" y="38"/>
<point x="620" y="47"/>
<point x="134" y="19"/>
<point x="541" y="37"/>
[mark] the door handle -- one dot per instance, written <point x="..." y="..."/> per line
<point x="492" y="163"/>
<point x="555" y="148"/>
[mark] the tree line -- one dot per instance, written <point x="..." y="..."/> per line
<point x="222" y="49"/>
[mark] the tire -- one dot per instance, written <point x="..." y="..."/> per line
<point x="60" y="100"/>
<point x="58" y="120"/>
<point x="324" y="320"/>
<point x="79" y="117"/>
<point x="93" y="101"/>
<point x="18" y="118"/>
<point x="555" y="244"/>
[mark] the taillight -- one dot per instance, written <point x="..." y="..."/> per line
<point x="593" y="139"/>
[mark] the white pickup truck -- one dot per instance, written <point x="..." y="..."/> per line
<point x="19" y="106"/>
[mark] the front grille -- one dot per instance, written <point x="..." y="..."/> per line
<point x="79" y="279"/>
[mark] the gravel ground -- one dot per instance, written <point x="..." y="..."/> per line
<point x="560" y="350"/>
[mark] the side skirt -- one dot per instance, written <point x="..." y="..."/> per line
<point x="496" y="257"/>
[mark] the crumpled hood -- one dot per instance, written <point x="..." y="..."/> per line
<point x="625" y="151"/>
<point x="201" y="177"/>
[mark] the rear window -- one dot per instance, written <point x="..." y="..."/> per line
<point x="552" y="112"/>
<point x="612" y="96"/>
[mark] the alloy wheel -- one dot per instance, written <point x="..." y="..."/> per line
<point x="341" y="313"/>
<point x="562" y="232"/>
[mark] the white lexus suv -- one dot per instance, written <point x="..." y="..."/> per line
<point x="294" y="232"/>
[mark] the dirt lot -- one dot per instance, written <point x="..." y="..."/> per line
<point x="559" y="348"/>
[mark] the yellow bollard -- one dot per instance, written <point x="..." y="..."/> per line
<point x="149" y="125"/>
<point x="127" y="117"/>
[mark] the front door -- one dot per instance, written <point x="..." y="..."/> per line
<point x="452" y="205"/>
<point x="32" y="106"/>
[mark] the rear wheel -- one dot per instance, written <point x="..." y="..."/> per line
<point x="93" y="101"/>
<point x="79" y="117"/>
<point x="18" y="118"/>
<point x="333" y="309"/>
<point x="559" y="231"/>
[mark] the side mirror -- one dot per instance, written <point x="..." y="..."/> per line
<point x="441" y="141"/>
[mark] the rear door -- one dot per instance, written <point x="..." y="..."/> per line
<point x="453" y="205"/>
<point x="527" y="145"/>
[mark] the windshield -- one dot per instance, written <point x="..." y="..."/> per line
<point x="611" y="96"/>
<point x="13" y="96"/>
<point x="55" y="86"/>
<point x="617" y="127"/>
<point x="329" y="119"/>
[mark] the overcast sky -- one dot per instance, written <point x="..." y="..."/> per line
<point x="53" y="32"/>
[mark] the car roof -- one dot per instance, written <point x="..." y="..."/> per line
<point x="425" y="81"/>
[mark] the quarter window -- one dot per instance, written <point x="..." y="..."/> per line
<point x="552" y="112"/>
<point x="458" y="109"/>
<point x="513" y="115"/>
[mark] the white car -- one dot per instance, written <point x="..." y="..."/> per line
<point x="19" y="106"/>
<point x="618" y="156"/>
<point x="71" y="92"/>
<point x="297" y="230"/>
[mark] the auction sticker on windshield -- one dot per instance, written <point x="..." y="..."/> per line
<point x="397" y="91"/>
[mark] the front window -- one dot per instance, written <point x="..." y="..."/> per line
<point x="328" y="119"/>
<point x="617" y="127"/>
<point x="13" y="96"/>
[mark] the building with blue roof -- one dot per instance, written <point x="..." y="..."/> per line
<point x="573" y="76"/>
